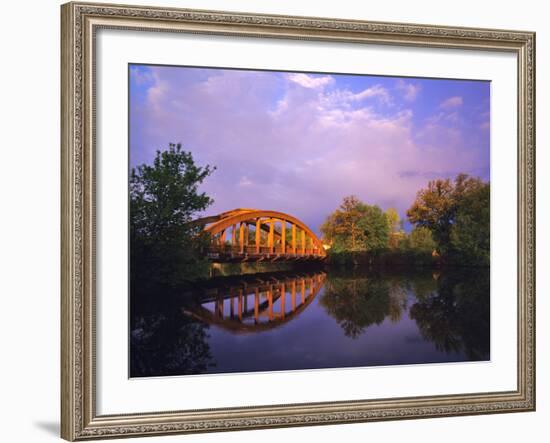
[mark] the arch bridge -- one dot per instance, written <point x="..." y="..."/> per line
<point x="255" y="235"/>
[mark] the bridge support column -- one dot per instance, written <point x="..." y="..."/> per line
<point x="234" y="235"/>
<point x="241" y="237"/>
<point x="294" y="239"/>
<point x="283" y="237"/>
<point x="303" y="242"/>
<point x="258" y="235"/>
<point x="270" y="238"/>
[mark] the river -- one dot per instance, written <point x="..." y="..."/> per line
<point x="312" y="319"/>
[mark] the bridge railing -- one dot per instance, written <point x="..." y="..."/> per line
<point x="262" y="250"/>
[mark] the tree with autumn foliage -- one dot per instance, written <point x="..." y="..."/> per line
<point x="395" y="224"/>
<point x="457" y="214"/>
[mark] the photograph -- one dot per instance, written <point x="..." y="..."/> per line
<point x="285" y="220"/>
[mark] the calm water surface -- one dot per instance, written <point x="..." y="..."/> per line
<point x="313" y="319"/>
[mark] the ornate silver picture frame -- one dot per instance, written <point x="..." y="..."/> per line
<point x="80" y="23"/>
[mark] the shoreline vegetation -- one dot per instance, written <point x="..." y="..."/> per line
<point x="450" y="221"/>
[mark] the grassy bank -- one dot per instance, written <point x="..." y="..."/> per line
<point x="230" y="269"/>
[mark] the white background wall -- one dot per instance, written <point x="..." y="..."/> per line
<point x="29" y="220"/>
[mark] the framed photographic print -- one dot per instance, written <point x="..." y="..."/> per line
<point x="282" y="221"/>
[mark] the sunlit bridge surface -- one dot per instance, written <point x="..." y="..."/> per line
<point x="311" y="319"/>
<point x="256" y="235"/>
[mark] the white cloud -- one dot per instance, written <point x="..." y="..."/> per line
<point x="452" y="102"/>
<point x="244" y="181"/>
<point x="310" y="82"/>
<point x="373" y="91"/>
<point x="344" y="99"/>
<point x="409" y="90"/>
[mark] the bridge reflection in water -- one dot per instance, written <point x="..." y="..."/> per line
<point x="257" y="305"/>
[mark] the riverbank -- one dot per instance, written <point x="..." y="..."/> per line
<point x="389" y="258"/>
<point x="257" y="267"/>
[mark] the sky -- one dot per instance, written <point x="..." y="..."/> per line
<point x="300" y="142"/>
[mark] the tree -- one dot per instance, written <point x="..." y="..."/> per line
<point x="436" y="206"/>
<point x="434" y="209"/>
<point x="421" y="239"/>
<point x="342" y="226"/>
<point x="470" y="234"/>
<point x="164" y="198"/>
<point x="395" y="224"/>
<point x="375" y="226"/>
<point x="356" y="226"/>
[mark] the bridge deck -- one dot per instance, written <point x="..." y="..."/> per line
<point x="251" y="253"/>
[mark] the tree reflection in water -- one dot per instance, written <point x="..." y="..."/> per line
<point x="356" y="302"/>
<point x="450" y="308"/>
<point x="162" y="340"/>
<point x="456" y="315"/>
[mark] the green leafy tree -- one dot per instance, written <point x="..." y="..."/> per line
<point x="164" y="198"/>
<point x="356" y="226"/>
<point x="375" y="226"/>
<point x="421" y="239"/>
<point x="470" y="234"/>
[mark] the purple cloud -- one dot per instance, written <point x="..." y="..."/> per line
<point x="299" y="143"/>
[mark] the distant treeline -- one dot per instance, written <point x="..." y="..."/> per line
<point x="451" y="220"/>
